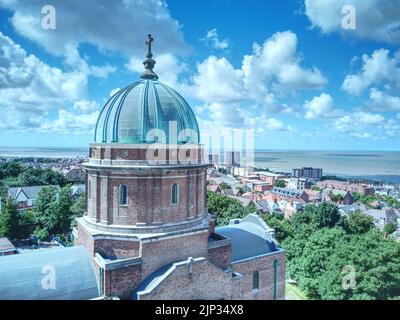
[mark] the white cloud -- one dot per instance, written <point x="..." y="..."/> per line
<point x="217" y="80"/>
<point x="368" y="118"/>
<point x="321" y="106"/>
<point x="114" y="91"/>
<point x="382" y="102"/>
<point x="118" y="26"/>
<point x="29" y="87"/>
<point x="81" y="119"/>
<point x="360" y="124"/>
<point x="362" y="135"/>
<point x="213" y="39"/>
<point x="375" y="19"/>
<point x="392" y="127"/>
<point x="232" y="115"/>
<point x="377" y="68"/>
<point x="168" y="68"/>
<point x="273" y="67"/>
<point x="74" y="60"/>
<point x="277" y="63"/>
<point x="31" y="91"/>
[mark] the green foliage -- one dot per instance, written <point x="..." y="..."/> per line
<point x="32" y="177"/>
<point x="374" y="262"/>
<point x="335" y="197"/>
<point x="52" y="212"/>
<point x="224" y="186"/>
<point x="13" y="224"/>
<point x="392" y="202"/>
<point x="15" y="174"/>
<point x="226" y="208"/>
<point x="280" y="184"/>
<point x="283" y="228"/>
<point x="78" y="209"/>
<point x="358" y="223"/>
<point x="389" y="229"/>
<point x="323" y="215"/>
<point x="11" y="169"/>
<point x="324" y="249"/>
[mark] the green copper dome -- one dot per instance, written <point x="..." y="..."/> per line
<point x="145" y="112"/>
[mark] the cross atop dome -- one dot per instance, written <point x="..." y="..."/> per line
<point x="149" y="62"/>
<point x="149" y="40"/>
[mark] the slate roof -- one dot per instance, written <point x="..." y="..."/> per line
<point x="287" y="192"/>
<point x="31" y="192"/>
<point x="6" y="245"/>
<point x="248" y="238"/>
<point x="22" y="275"/>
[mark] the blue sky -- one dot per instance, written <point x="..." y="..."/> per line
<point x="288" y="69"/>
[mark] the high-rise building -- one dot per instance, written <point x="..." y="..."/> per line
<point x="232" y="158"/>
<point x="308" y="172"/>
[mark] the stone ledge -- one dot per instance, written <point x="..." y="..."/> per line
<point x="117" y="264"/>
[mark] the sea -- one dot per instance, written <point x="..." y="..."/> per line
<point x="383" y="166"/>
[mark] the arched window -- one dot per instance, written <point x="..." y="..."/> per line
<point x="174" y="194"/>
<point x="256" y="280"/>
<point x="123" y="194"/>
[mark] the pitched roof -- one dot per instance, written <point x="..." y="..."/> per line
<point x="6" y="245"/>
<point x="30" y="192"/>
<point x="287" y="192"/>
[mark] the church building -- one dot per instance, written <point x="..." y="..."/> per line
<point x="147" y="233"/>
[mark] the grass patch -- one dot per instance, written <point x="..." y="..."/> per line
<point x="293" y="293"/>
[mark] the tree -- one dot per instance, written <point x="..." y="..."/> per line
<point x="11" y="169"/>
<point x="13" y="224"/>
<point x="389" y="229"/>
<point x="78" y="209"/>
<point x="358" y="223"/>
<point x="9" y="221"/>
<point x="372" y="262"/>
<point x="33" y="176"/>
<point x="280" y="183"/>
<point x="52" y="212"/>
<point x="226" y="208"/>
<point x="324" y="215"/>
<point x="224" y="186"/>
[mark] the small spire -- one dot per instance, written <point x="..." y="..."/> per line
<point x="149" y="62"/>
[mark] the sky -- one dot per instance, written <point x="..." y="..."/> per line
<point x="304" y="74"/>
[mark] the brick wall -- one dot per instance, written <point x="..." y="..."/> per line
<point x="206" y="282"/>
<point x="158" y="253"/>
<point x="120" y="249"/>
<point x="265" y="267"/>
<point x="122" y="282"/>
<point x="220" y="256"/>
<point x="148" y="198"/>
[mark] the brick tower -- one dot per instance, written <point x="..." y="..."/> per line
<point x="147" y="228"/>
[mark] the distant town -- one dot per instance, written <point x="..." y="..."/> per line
<point x="269" y="191"/>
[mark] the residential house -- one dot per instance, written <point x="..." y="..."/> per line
<point x="74" y="174"/>
<point x="25" y="197"/>
<point x="214" y="188"/>
<point x="289" y="194"/>
<point x="364" y="189"/>
<point x="382" y="216"/>
<point x="298" y="183"/>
